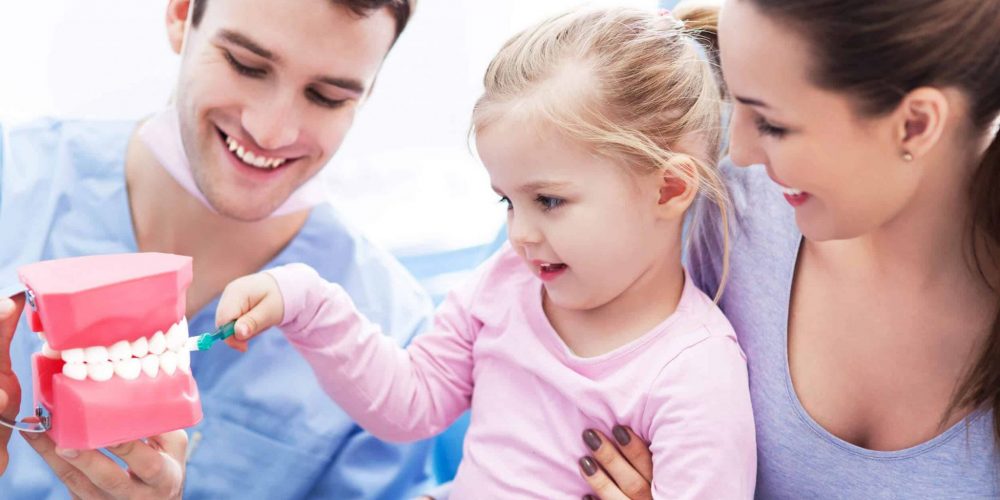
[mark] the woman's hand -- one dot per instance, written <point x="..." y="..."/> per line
<point x="619" y="469"/>
<point x="255" y="302"/>
<point x="155" y="467"/>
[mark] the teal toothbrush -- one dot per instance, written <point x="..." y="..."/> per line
<point x="204" y="341"/>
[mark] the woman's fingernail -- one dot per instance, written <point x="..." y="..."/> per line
<point x="68" y="453"/>
<point x="593" y="441"/>
<point x="621" y="435"/>
<point x="588" y="465"/>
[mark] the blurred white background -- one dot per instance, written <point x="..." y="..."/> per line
<point x="405" y="173"/>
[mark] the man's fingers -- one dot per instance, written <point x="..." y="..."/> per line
<point x="155" y="462"/>
<point x="75" y="480"/>
<point x="10" y="313"/>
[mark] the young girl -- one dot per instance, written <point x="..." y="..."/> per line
<point x="598" y="129"/>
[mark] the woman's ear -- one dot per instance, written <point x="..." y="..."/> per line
<point x="921" y="121"/>
<point x="178" y="12"/>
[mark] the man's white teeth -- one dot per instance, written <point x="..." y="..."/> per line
<point x="791" y="192"/>
<point x="250" y="158"/>
<point x="128" y="360"/>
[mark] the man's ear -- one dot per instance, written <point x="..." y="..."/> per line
<point x="921" y="119"/>
<point x="178" y="12"/>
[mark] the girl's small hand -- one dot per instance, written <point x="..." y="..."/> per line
<point x="620" y="469"/>
<point x="255" y="301"/>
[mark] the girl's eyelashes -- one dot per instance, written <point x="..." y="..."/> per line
<point x="548" y="202"/>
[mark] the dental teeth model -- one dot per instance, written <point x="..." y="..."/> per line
<point x="114" y="363"/>
<point x="128" y="359"/>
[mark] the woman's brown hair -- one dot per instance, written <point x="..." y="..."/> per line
<point x="877" y="52"/>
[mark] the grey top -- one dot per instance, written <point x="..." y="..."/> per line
<point x="797" y="458"/>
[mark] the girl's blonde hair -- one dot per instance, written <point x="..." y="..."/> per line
<point x="628" y="83"/>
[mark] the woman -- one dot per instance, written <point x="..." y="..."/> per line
<point x="864" y="268"/>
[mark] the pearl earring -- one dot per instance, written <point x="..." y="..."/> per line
<point x="907" y="156"/>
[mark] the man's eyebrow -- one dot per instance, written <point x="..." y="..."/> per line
<point x="349" y="84"/>
<point x="245" y="42"/>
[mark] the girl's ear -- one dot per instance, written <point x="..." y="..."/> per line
<point x="676" y="193"/>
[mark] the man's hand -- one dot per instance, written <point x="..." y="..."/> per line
<point x="155" y="467"/>
<point x="10" y="389"/>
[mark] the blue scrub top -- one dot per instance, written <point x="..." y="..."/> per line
<point x="269" y="430"/>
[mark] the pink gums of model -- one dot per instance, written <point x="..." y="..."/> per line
<point x="107" y="316"/>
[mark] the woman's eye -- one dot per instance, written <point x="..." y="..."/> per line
<point x="766" y="128"/>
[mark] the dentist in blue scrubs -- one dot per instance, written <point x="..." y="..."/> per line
<point x="266" y="93"/>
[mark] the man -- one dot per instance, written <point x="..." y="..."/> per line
<point x="266" y="93"/>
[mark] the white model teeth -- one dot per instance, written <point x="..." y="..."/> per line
<point x="184" y="360"/>
<point x="176" y="337"/>
<point x="73" y="356"/>
<point x="151" y="365"/>
<point x="791" y="192"/>
<point x="168" y="362"/>
<point x="140" y="347"/>
<point x="128" y="360"/>
<point x="100" y="372"/>
<point x="96" y="354"/>
<point x="251" y="159"/>
<point x="157" y="343"/>
<point x="75" y="371"/>
<point x="120" y="351"/>
<point x="128" y="369"/>
<point x="49" y="352"/>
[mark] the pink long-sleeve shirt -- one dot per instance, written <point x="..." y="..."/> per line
<point x="682" y="387"/>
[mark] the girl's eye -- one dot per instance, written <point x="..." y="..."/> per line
<point x="504" y="199"/>
<point x="765" y="128"/>
<point x="244" y="69"/>
<point x="548" y="202"/>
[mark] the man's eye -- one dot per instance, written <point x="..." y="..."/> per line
<point x="244" y="69"/>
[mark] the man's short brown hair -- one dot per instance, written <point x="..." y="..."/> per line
<point x="401" y="10"/>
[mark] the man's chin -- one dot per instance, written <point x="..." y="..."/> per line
<point x="239" y="210"/>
